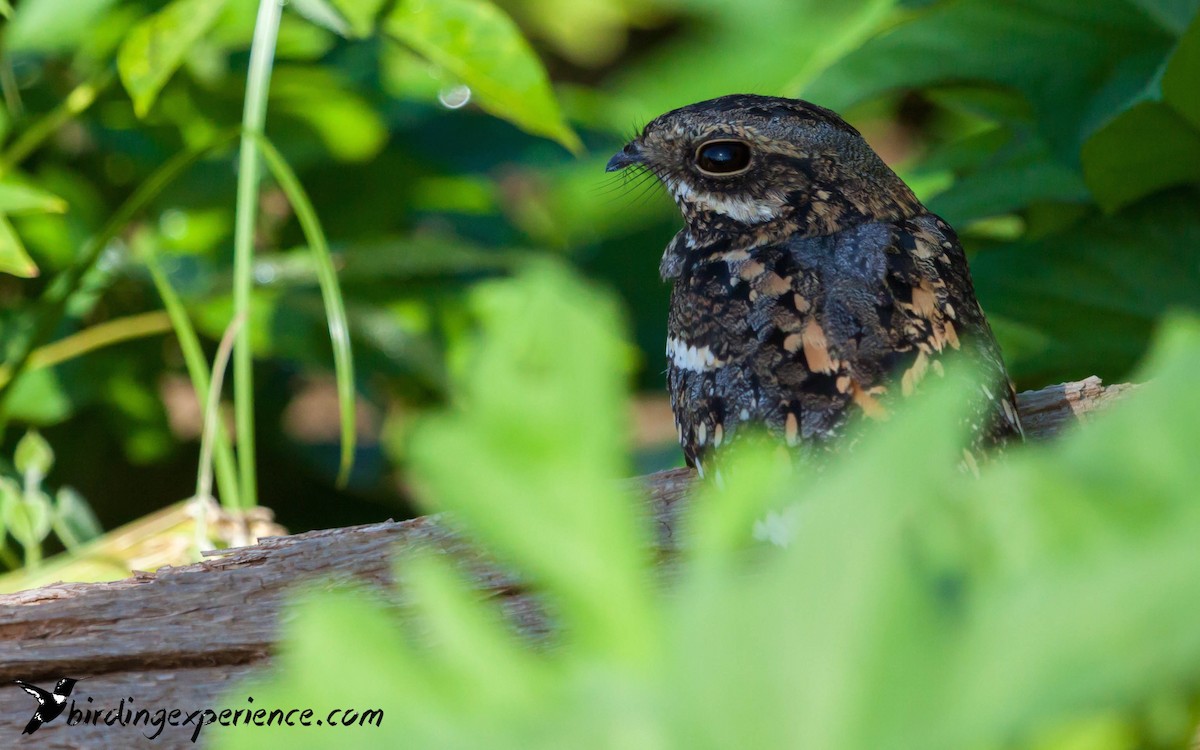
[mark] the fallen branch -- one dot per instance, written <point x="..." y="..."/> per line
<point x="182" y="636"/>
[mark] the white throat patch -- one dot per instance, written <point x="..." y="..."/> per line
<point x="743" y="210"/>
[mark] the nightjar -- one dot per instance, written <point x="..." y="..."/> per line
<point x="810" y="286"/>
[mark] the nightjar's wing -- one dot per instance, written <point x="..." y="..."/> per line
<point x="804" y="335"/>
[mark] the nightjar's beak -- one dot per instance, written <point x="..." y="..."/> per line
<point x="626" y="157"/>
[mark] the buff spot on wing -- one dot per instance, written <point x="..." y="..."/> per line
<point x="802" y="304"/>
<point x="750" y="269"/>
<point x="913" y="375"/>
<point x="771" y="283"/>
<point x="816" y="348"/>
<point x="791" y="429"/>
<point x="924" y="301"/>
<point x="866" y="400"/>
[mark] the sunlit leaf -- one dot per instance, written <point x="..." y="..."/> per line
<point x="360" y="14"/>
<point x="13" y="257"/>
<point x="323" y="14"/>
<point x="1181" y="79"/>
<point x="1095" y="289"/>
<point x="942" y="46"/>
<point x="33" y="455"/>
<point x="16" y="198"/>
<point x="52" y="25"/>
<point x="155" y="48"/>
<point x="482" y="47"/>
<point x="1142" y="150"/>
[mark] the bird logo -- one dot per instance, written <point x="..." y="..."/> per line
<point x="50" y="704"/>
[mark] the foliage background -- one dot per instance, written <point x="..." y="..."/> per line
<point x="1061" y="137"/>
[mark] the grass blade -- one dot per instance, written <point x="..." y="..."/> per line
<point x="335" y="308"/>
<point x="197" y="366"/>
<point x="254" y="115"/>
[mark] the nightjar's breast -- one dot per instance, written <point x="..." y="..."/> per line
<point x="805" y="334"/>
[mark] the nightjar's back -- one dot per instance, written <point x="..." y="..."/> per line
<point x="811" y="287"/>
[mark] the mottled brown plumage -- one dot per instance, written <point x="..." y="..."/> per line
<point x="811" y="287"/>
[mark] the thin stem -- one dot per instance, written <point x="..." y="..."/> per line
<point x="96" y="337"/>
<point x="331" y="293"/>
<point x="254" y="115"/>
<point x="76" y="102"/>
<point x="197" y="367"/>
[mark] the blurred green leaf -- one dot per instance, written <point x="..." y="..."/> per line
<point x="13" y="257"/>
<point x="552" y="432"/>
<point x="477" y="43"/>
<point x="16" y="198"/>
<point x="1095" y="289"/>
<point x="944" y="44"/>
<point x="154" y="49"/>
<point x="1144" y="149"/>
<point x="52" y="25"/>
<point x="27" y="517"/>
<point x="1006" y="180"/>
<point x="346" y="124"/>
<point x="73" y="517"/>
<point x="360" y="13"/>
<point x="33" y="455"/>
<point x="1181" y="79"/>
<point x="323" y="14"/>
<point x="726" y="46"/>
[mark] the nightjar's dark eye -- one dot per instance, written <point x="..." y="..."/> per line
<point x="723" y="157"/>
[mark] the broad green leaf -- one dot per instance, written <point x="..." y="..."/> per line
<point x="27" y="517"/>
<point x="16" y="198"/>
<point x="1095" y="290"/>
<point x="347" y="124"/>
<point x="543" y="389"/>
<point x="52" y="25"/>
<point x="1181" y="80"/>
<point x="323" y="14"/>
<point x="1144" y="149"/>
<point x="13" y="257"/>
<point x="361" y="14"/>
<point x="156" y="47"/>
<point x="479" y="45"/>
<point x="33" y="455"/>
<point x="1006" y="184"/>
<point x="945" y="44"/>
<point x="73" y="513"/>
<point x="1172" y="15"/>
<point x="727" y="46"/>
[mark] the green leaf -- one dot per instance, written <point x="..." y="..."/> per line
<point x="322" y="14"/>
<point x="1144" y="149"/>
<point x="155" y="48"/>
<point x="74" y="513"/>
<point x="27" y="516"/>
<point x="543" y="389"/>
<point x="16" y="198"/>
<point x="942" y="46"/>
<point x="33" y="455"/>
<point x="52" y="25"/>
<point x="347" y="124"/>
<point x="13" y="257"/>
<point x="1094" y="290"/>
<point x="769" y="47"/>
<point x="1181" y="79"/>
<point x="1010" y="180"/>
<point x="481" y="46"/>
<point x="360" y="13"/>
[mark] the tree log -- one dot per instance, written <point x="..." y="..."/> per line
<point x="181" y="637"/>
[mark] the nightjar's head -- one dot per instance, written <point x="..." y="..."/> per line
<point x="763" y="165"/>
